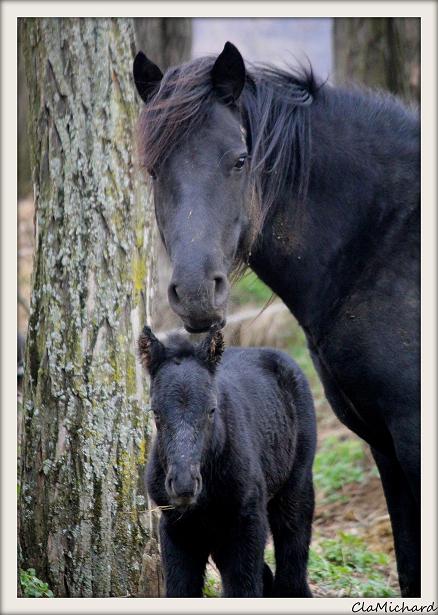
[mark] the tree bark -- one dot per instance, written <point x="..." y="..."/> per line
<point x="379" y="52"/>
<point x="83" y="519"/>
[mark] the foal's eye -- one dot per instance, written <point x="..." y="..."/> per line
<point x="211" y="412"/>
<point x="240" y="162"/>
<point x="152" y="173"/>
<point x="156" y="417"/>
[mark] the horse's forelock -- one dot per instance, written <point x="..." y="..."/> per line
<point x="175" y="110"/>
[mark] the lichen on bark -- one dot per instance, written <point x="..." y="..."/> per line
<point x="83" y="523"/>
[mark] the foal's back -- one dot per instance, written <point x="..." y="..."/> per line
<point x="268" y="410"/>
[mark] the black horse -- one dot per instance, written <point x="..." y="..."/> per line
<point x="233" y="453"/>
<point x="317" y="188"/>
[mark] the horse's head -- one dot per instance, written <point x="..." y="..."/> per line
<point x="195" y="150"/>
<point x="184" y="400"/>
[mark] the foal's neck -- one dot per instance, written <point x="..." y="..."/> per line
<point x="219" y="436"/>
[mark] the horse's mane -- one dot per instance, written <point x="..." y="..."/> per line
<point x="275" y="109"/>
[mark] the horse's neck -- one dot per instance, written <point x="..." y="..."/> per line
<point x="355" y="199"/>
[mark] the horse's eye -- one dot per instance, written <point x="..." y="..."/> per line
<point x="152" y="173"/>
<point x="156" y="417"/>
<point x="240" y="162"/>
<point x="211" y="412"/>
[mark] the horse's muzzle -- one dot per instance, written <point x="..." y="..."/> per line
<point x="199" y="303"/>
<point x="204" y="328"/>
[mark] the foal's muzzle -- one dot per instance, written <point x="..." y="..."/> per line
<point x="183" y="484"/>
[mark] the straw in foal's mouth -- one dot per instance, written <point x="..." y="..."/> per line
<point x="166" y="507"/>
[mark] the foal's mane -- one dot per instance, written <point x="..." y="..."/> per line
<point x="178" y="347"/>
<point x="275" y="110"/>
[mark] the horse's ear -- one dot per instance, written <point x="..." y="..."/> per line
<point x="210" y="350"/>
<point x="228" y="74"/>
<point x="151" y="351"/>
<point x="147" y="76"/>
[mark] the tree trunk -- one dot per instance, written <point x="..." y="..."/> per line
<point x="83" y="519"/>
<point x="167" y="41"/>
<point x="380" y="52"/>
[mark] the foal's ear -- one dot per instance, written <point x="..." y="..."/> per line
<point x="211" y="348"/>
<point x="147" y="76"/>
<point x="228" y="74"/>
<point x="150" y="350"/>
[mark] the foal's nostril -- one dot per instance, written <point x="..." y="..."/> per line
<point x="169" y="485"/>
<point x="196" y="475"/>
<point x="198" y="485"/>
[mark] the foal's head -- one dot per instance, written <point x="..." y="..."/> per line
<point x="194" y="147"/>
<point x="184" y="400"/>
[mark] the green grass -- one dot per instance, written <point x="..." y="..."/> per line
<point x="212" y="587"/>
<point x="337" y="463"/>
<point x="344" y="566"/>
<point x="250" y="289"/>
<point x="32" y="587"/>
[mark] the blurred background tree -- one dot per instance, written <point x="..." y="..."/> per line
<point x="168" y="41"/>
<point x="24" y="184"/>
<point x="379" y="52"/>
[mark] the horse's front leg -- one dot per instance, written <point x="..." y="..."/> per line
<point x="184" y="556"/>
<point x="404" y="510"/>
<point x="240" y="557"/>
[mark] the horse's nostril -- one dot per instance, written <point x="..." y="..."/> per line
<point x="173" y="294"/>
<point x="220" y="288"/>
<point x="219" y="282"/>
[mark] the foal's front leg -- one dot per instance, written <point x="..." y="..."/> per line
<point x="184" y="558"/>
<point x="240" y="557"/>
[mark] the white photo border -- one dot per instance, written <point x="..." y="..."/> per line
<point x="10" y="11"/>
